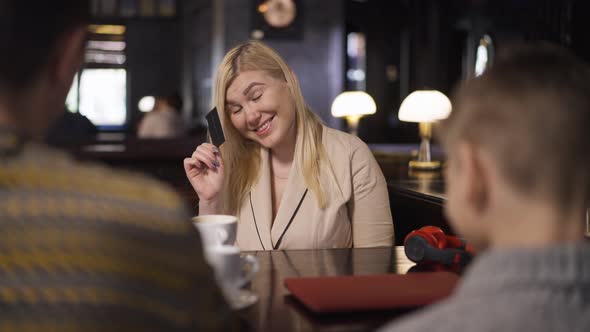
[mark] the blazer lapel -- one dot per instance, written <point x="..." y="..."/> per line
<point x="293" y="195"/>
<point x="261" y="202"/>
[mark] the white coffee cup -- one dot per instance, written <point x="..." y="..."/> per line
<point x="232" y="269"/>
<point x="216" y="229"/>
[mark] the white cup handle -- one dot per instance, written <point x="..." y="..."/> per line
<point x="222" y="235"/>
<point x="252" y="262"/>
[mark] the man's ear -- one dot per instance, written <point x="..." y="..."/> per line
<point x="68" y="55"/>
<point x="476" y="175"/>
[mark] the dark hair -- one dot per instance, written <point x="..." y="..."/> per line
<point x="531" y="110"/>
<point x="175" y="101"/>
<point x="29" y="31"/>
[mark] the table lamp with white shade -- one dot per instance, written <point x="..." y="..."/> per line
<point x="425" y="107"/>
<point x="353" y="105"/>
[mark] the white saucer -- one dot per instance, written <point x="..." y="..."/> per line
<point x="241" y="299"/>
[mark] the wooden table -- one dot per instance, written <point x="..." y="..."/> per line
<point x="276" y="310"/>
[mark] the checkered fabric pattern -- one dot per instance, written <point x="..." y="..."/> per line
<point x="85" y="248"/>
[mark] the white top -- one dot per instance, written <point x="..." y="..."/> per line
<point x="165" y="123"/>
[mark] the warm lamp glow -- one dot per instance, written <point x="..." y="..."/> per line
<point x="146" y="103"/>
<point x="353" y="105"/>
<point x="107" y="29"/>
<point x="262" y="8"/>
<point x="425" y="106"/>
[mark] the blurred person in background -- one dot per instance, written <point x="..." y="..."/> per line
<point x="164" y="120"/>
<point x="518" y="185"/>
<point x="71" y="130"/>
<point x="83" y="248"/>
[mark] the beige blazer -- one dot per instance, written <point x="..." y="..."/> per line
<point x="357" y="213"/>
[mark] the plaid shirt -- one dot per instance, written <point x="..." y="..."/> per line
<point x="85" y="248"/>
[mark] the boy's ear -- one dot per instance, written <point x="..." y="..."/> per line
<point x="476" y="175"/>
<point x="68" y="55"/>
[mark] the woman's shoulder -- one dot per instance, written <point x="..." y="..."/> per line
<point x="335" y="140"/>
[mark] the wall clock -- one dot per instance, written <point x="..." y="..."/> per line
<point x="279" y="13"/>
<point x="277" y="19"/>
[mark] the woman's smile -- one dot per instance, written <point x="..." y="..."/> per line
<point x="264" y="128"/>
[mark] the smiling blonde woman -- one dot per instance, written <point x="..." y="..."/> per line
<point x="292" y="182"/>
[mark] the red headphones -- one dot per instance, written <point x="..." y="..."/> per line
<point x="429" y="244"/>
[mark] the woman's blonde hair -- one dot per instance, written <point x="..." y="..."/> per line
<point x="241" y="156"/>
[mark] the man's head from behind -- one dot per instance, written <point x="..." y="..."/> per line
<point x="42" y="48"/>
<point x="519" y="148"/>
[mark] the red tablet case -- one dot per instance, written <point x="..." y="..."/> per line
<point x="371" y="292"/>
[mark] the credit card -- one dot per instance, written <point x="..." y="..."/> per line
<point x="215" y="129"/>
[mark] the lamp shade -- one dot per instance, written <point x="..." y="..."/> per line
<point x="424" y="106"/>
<point x="353" y="103"/>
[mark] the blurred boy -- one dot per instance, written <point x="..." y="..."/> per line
<point x="518" y="177"/>
<point x="83" y="248"/>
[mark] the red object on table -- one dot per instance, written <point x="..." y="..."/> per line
<point x="371" y="292"/>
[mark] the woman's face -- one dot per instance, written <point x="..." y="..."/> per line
<point x="262" y="109"/>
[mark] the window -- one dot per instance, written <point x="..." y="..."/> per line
<point x="99" y="90"/>
<point x="484" y="55"/>
<point x="356" y="54"/>
<point x="72" y="98"/>
<point x="103" y="96"/>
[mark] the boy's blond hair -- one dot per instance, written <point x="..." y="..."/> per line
<point x="531" y="111"/>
